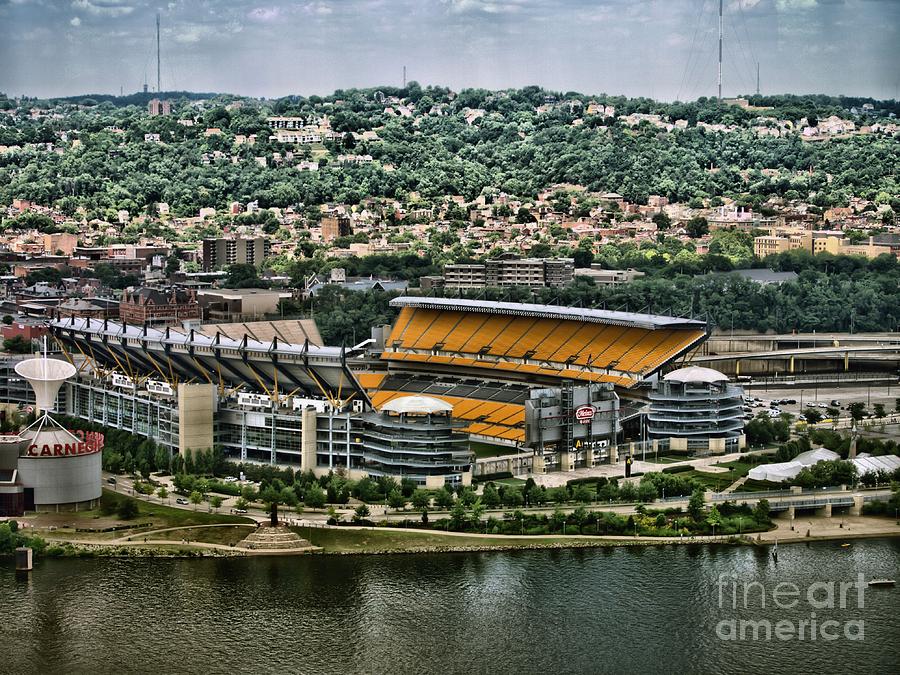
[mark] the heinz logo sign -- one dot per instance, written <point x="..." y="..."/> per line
<point x="585" y="413"/>
<point x="91" y="442"/>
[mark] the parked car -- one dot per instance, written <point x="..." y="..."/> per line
<point x="111" y="480"/>
<point x="181" y="501"/>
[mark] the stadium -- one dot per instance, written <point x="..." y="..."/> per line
<point x="531" y="387"/>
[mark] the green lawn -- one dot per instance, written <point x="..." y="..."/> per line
<point x="759" y="486"/>
<point x="488" y="450"/>
<point x="386" y="540"/>
<point x="208" y="535"/>
<point x="515" y="482"/>
<point x="166" y="516"/>
<point x="668" y="460"/>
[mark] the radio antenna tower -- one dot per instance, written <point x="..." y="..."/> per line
<point x="404" y="77"/>
<point x="159" y="90"/>
<point x="720" y="49"/>
<point x="757" y="78"/>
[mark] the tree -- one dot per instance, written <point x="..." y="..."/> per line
<point x="879" y="410"/>
<point x="580" y="517"/>
<point x="396" y="500"/>
<point x="215" y="501"/>
<point x="421" y="499"/>
<point x="17" y="345"/>
<point x="662" y="221"/>
<point x="714" y="518"/>
<point x="458" y="515"/>
<point x="582" y="494"/>
<point x="833" y="413"/>
<point x="241" y="504"/>
<point x="314" y="497"/>
<point x="361" y="513"/>
<point x="697" y="227"/>
<point x="557" y="520"/>
<point x="443" y="498"/>
<point x="490" y="496"/>
<point x="162" y="493"/>
<point x="195" y="498"/>
<point x="761" y="512"/>
<point x="695" y="505"/>
<point x="812" y="415"/>
<point x="857" y="410"/>
<point x="646" y="492"/>
<point x="478" y="510"/>
<point x="127" y="509"/>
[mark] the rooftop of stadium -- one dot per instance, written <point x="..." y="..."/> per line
<point x="523" y="341"/>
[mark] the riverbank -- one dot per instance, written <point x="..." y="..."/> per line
<point x="355" y="540"/>
<point x="163" y="531"/>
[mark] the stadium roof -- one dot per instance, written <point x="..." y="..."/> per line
<point x="696" y="374"/>
<point x="638" y="320"/>
<point x="416" y="405"/>
<point x="185" y="356"/>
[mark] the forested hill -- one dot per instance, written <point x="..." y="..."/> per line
<point x="429" y="143"/>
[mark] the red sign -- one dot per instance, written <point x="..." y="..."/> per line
<point x="585" y="413"/>
<point x="91" y="442"/>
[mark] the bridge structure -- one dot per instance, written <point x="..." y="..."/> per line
<point x="806" y="352"/>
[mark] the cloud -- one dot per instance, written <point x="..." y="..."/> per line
<point x="193" y="33"/>
<point x="75" y="22"/>
<point x="788" y="5"/>
<point x="319" y="8"/>
<point x="264" y="14"/>
<point x="111" y="8"/>
<point x="483" y="6"/>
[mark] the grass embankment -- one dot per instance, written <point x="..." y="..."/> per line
<point x="225" y="535"/>
<point x="334" y="540"/>
<point x="149" y="516"/>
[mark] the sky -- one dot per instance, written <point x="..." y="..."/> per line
<point x="665" y="49"/>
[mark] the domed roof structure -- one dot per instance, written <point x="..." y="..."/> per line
<point x="417" y="405"/>
<point x="696" y="374"/>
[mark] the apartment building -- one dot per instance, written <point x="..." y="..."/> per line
<point x="506" y="271"/>
<point x="286" y="122"/>
<point x="156" y="107"/>
<point x="334" y="227"/>
<point x="224" y="251"/>
<point x="821" y="241"/>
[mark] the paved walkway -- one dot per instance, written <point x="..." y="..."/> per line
<point x="735" y="485"/>
<point x="559" y="478"/>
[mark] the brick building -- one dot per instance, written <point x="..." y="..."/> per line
<point x="158" y="307"/>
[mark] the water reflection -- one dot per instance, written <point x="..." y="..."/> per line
<point x="579" y="611"/>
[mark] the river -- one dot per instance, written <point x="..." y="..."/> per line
<point x="622" y="610"/>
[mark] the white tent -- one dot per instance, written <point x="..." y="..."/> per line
<point x="775" y="473"/>
<point x="864" y="465"/>
<point x="782" y="471"/>
<point x="815" y="456"/>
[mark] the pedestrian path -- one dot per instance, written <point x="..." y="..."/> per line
<point x="735" y="485"/>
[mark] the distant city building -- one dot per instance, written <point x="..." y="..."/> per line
<point x="225" y="251"/>
<point x="334" y="227"/>
<point x="506" y="271"/>
<point x="240" y="304"/>
<point x="158" y="307"/>
<point x="156" y="107"/>
<point x="603" y="277"/>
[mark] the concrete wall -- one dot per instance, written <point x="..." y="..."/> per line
<point x="196" y="403"/>
<point x="62" y="480"/>
<point x="308" y="439"/>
